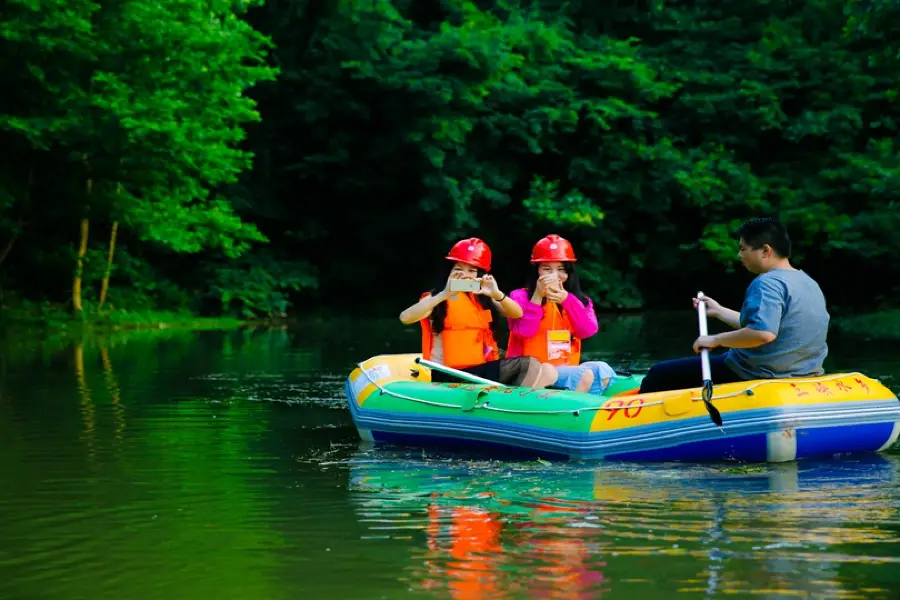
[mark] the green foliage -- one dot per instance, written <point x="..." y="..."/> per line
<point x="643" y="132"/>
<point x="149" y="95"/>
<point x="145" y="99"/>
<point x="882" y="325"/>
<point x="258" y="285"/>
<point x="546" y="204"/>
<point x="647" y="142"/>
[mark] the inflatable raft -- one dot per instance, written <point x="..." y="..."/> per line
<point x="393" y="400"/>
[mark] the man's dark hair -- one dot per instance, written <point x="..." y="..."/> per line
<point x="759" y="232"/>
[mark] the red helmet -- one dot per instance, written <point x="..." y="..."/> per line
<point x="471" y="251"/>
<point x="553" y="249"/>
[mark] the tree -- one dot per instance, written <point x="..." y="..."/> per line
<point x="146" y="101"/>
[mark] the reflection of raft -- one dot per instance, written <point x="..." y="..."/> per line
<point x="409" y="483"/>
<point x="393" y="400"/>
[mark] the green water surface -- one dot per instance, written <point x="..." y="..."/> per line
<point x="159" y="465"/>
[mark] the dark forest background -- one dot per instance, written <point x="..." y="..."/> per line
<point x="247" y="159"/>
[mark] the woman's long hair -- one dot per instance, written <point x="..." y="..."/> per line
<point x="440" y="311"/>
<point x="571" y="285"/>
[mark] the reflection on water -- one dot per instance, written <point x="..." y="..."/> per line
<point x="580" y="530"/>
<point x="225" y="465"/>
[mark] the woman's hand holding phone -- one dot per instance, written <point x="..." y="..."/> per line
<point x="552" y="288"/>
<point x="489" y="287"/>
<point x="448" y="288"/>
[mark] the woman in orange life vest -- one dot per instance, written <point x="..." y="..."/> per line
<point x="556" y="317"/>
<point x="456" y="326"/>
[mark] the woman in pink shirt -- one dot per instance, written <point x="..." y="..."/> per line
<point x="556" y="317"/>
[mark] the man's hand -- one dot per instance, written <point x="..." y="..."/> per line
<point x="713" y="308"/>
<point x="705" y="342"/>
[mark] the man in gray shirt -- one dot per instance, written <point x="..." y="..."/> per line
<point x="780" y="332"/>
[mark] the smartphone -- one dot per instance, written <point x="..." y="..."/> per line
<point x="553" y="278"/>
<point x="464" y="285"/>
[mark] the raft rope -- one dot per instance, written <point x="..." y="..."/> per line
<point x="748" y="391"/>
<point x="487" y="406"/>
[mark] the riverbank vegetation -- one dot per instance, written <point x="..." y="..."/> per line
<point x="879" y="326"/>
<point x="244" y="160"/>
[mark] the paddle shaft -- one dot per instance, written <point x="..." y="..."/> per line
<point x="456" y="372"/>
<point x="707" y="390"/>
<point x="704" y="353"/>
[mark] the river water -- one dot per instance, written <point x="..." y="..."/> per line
<point x="171" y="464"/>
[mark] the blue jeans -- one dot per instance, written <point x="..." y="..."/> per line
<point x="569" y="376"/>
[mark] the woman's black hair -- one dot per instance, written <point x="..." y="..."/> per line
<point x="571" y="285"/>
<point x="440" y="311"/>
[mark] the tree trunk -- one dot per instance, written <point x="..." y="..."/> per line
<point x="104" y="288"/>
<point x="82" y="250"/>
<point x="79" y="267"/>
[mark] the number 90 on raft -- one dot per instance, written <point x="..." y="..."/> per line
<point x="623" y="408"/>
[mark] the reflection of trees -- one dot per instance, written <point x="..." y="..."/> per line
<point x="112" y="386"/>
<point x="139" y="484"/>
<point x="84" y="397"/>
<point x="182" y="505"/>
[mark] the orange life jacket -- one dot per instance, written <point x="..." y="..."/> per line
<point x="467" y="339"/>
<point x="553" y="320"/>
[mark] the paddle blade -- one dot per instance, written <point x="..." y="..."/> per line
<point x="707" y="394"/>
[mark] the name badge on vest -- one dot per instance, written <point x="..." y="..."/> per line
<point x="559" y="344"/>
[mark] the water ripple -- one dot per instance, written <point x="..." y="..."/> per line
<point x="579" y="528"/>
<point x="226" y="465"/>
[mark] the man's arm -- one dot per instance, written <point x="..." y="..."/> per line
<point x="744" y="338"/>
<point x="732" y="318"/>
<point x="763" y="307"/>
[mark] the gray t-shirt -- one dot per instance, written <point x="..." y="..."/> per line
<point x="791" y="305"/>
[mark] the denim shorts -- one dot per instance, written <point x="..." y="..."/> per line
<point x="569" y="376"/>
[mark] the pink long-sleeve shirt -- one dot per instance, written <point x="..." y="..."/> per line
<point x="582" y="318"/>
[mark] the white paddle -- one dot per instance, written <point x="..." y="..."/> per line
<point x="457" y="373"/>
<point x="707" y="391"/>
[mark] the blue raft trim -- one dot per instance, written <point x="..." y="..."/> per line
<point x="821" y="429"/>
